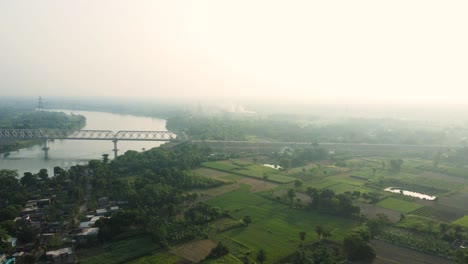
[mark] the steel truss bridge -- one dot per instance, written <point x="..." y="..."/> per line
<point x="61" y="134"/>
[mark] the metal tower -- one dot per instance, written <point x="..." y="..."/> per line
<point x="40" y="105"/>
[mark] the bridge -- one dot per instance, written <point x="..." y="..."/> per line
<point x="61" y="134"/>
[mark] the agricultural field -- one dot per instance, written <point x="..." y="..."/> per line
<point x="159" y="258"/>
<point x="228" y="259"/>
<point x="275" y="227"/>
<point x="232" y="182"/>
<point x="419" y="223"/>
<point x="462" y="221"/>
<point x="194" y="251"/>
<point x="427" y="211"/>
<point x="250" y="170"/>
<point x="217" y="175"/>
<point x="392" y="254"/>
<point x="399" y="205"/>
<point x="123" y="251"/>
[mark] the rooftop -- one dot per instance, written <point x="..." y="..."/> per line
<point x="59" y="252"/>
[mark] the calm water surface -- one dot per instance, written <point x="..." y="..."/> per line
<point x="66" y="153"/>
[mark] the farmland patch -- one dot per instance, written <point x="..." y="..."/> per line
<point x="194" y="251"/>
<point x="399" y="205"/>
<point x="463" y="221"/>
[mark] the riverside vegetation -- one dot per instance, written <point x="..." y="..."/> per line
<point x="323" y="207"/>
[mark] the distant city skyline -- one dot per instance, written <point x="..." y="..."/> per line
<point x="305" y="51"/>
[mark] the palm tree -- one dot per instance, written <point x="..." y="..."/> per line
<point x="261" y="256"/>
<point x="319" y="230"/>
<point x="291" y="195"/>
<point x="302" y="236"/>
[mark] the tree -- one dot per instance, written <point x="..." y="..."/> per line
<point x="319" y="230"/>
<point x="302" y="236"/>
<point x="219" y="251"/>
<point x="443" y="227"/>
<point x="43" y="175"/>
<point x="357" y="249"/>
<point x="461" y="256"/>
<point x="105" y="158"/>
<point x="247" y="220"/>
<point x="261" y="256"/>
<point x="395" y="165"/>
<point x="291" y="194"/>
<point x="376" y="225"/>
<point x="327" y="233"/>
<point x="298" y="183"/>
<point x="29" y="180"/>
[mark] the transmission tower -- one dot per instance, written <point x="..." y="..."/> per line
<point x="40" y="105"/>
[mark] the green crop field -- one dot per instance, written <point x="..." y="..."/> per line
<point x="228" y="259"/>
<point x="399" y="205"/>
<point x="250" y="170"/>
<point x="159" y="258"/>
<point x="275" y="227"/>
<point x="462" y="221"/>
<point x="419" y="223"/>
<point x="123" y="251"/>
<point x="426" y="211"/>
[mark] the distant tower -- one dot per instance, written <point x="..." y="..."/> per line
<point x="40" y="105"/>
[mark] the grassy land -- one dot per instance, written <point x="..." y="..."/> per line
<point x="275" y="227"/>
<point x="123" y="251"/>
<point x="419" y="223"/>
<point x="157" y="258"/>
<point x="427" y="211"/>
<point x="249" y="169"/>
<point x="462" y="221"/>
<point x="228" y="259"/>
<point x="399" y="205"/>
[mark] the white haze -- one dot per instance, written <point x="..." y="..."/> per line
<point x="352" y="51"/>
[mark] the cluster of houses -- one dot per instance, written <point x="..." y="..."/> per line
<point x="34" y="214"/>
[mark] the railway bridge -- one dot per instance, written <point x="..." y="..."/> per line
<point x="46" y="135"/>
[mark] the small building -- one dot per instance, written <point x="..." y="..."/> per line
<point x="88" y="235"/>
<point x="11" y="242"/>
<point x="89" y="232"/>
<point x="94" y="219"/>
<point x="86" y="224"/>
<point x="103" y="201"/>
<point x="114" y="209"/>
<point x="61" y="256"/>
<point x="101" y="212"/>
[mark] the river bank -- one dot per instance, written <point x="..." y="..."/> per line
<point x="67" y="153"/>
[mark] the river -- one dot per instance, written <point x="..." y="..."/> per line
<point x="67" y="153"/>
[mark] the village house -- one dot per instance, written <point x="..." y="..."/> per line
<point x="61" y="256"/>
<point x="101" y="212"/>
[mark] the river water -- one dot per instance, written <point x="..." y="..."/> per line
<point x="67" y="153"/>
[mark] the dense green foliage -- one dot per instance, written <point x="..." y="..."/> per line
<point x="156" y="194"/>
<point x="356" y="245"/>
<point x="326" y="201"/>
<point x="11" y="118"/>
<point x="287" y="128"/>
<point x="42" y="119"/>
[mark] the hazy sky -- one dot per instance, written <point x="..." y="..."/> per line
<point x="308" y="50"/>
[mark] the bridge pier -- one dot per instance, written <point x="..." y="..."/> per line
<point x="116" y="150"/>
<point x="46" y="149"/>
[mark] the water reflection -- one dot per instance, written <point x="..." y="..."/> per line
<point x="410" y="193"/>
